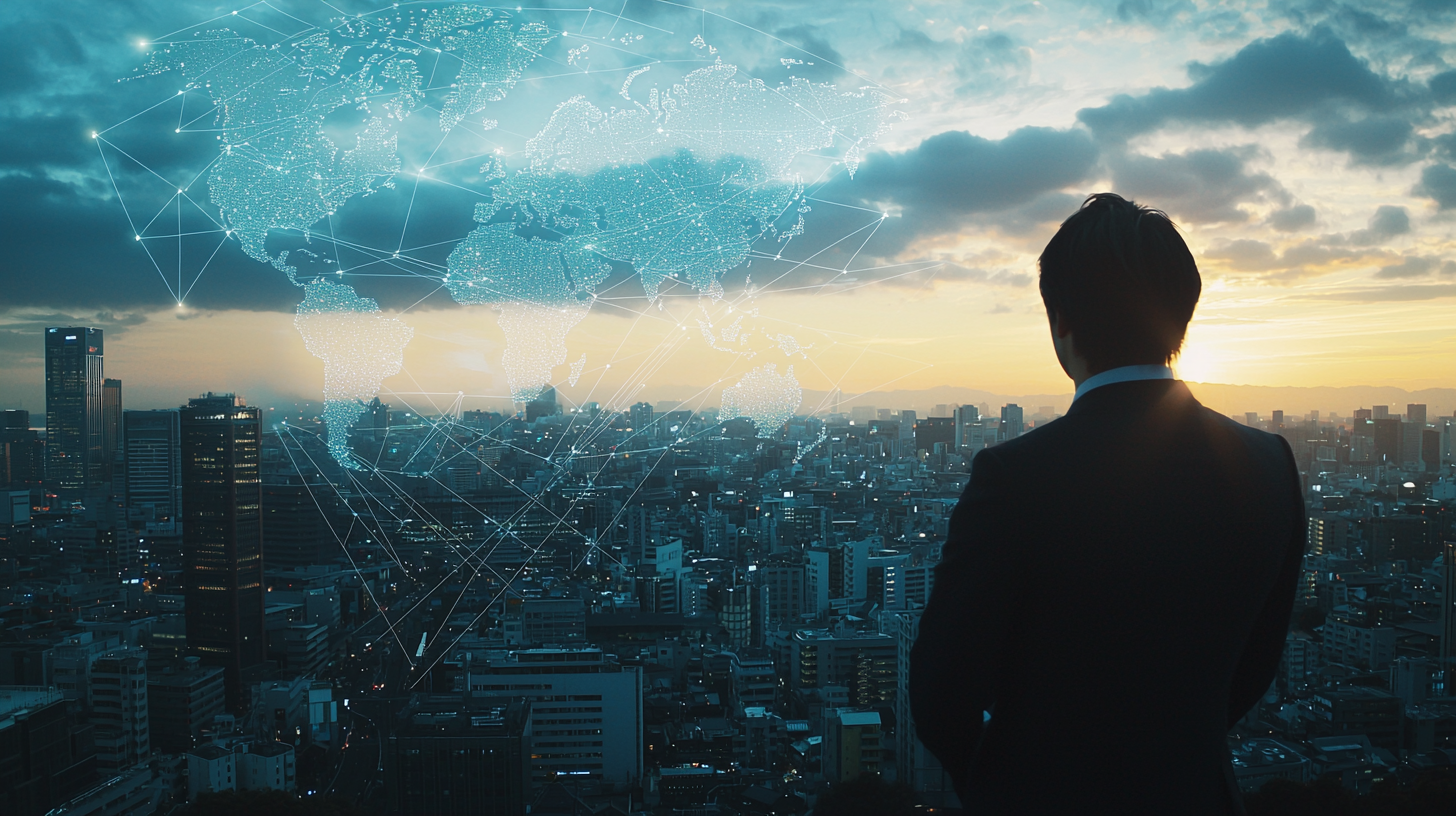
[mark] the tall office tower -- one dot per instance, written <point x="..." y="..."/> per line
<point x="965" y="416"/>
<point x="640" y="415"/>
<point x="1012" y="421"/>
<point x="74" y="440"/>
<point x="110" y="426"/>
<point x="152" y="462"/>
<point x="297" y="522"/>
<point x="1380" y="412"/>
<point x="1251" y="418"/>
<point x="222" y="537"/>
<point x="1415" y="414"/>
<point x="543" y="405"/>
<point x="22" y="453"/>
<point x="1276" y="421"/>
<point x="1388" y="436"/>
<point x="1363" y="413"/>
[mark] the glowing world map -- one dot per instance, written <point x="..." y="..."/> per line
<point x="675" y="176"/>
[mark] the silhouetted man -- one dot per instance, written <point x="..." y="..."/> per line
<point x="1116" y="585"/>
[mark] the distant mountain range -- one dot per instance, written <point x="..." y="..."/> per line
<point x="1233" y="400"/>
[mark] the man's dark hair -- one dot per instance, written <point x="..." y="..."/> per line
<point x="1120" y="276"/>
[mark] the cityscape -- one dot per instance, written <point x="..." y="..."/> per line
<point x="682" y="617"/>
<point x="448" y="408"/>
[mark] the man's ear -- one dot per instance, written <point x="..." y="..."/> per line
<point x="1060" y="327"/>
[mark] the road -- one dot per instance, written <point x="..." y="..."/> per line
<point x="372" y="682"/>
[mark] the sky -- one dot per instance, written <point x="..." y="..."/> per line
<point x="1305" y="149"/>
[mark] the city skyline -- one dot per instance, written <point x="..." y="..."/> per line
<point x="1320" y="215"/>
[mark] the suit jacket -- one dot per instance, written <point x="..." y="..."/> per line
<point x="1116" y="589"/>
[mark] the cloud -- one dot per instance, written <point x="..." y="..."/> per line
<point x="1438" y="182"/>
<point x="817" y="59"/>
<point x="1292" y="219"/>
<point x="1443" y="88"/>
<point x="1423" y="291"/>
<point x="1386" y="223"/>
<point x="1267" y="80"/>
<point x="1411" y="266"/>
<point x="1200" y="186"/>
<point x="1152" y="12"/>
<point x="989" y="61"/>
<point x="955" y="172"/>
<point x="1374" y="140"/>
<point x="952" y="182"/>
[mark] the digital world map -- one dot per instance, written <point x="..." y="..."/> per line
<point x="681" y="176"/>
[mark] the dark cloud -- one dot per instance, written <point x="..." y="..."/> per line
<point x="1375" y="140"/>
<point x="1292" y="219"/>
<point x="75" y="251"/>
<point x="955" y="172"/>
<point x="1438" y="182"/>
<point x="817" y="60"/>
<point x="1386" y="223"/>
<point x="1278" y="78"/>
<point x="1200" y="186"/>
<point x="950" y="182"/>
<point x="1444" y="146"/>
<point x="1443" y="88"/>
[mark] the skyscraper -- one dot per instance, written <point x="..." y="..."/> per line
<point x="1415" y="413"/>
<point x="152" y="469"/>
<point x="22" y="454"/>
<point x="110" y="426"/>
<point x="1012" y="421"/>
<point x="222" y="536"/>
<point x="74" y="440"/>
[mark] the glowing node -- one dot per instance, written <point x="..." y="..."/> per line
<point x="94" y="134"/>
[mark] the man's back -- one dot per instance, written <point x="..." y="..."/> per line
<point x="1116" y="586"/>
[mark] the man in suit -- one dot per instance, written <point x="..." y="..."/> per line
<point x="1116" y="585"/>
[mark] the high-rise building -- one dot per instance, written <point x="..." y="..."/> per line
<point x="152" y="462"/>
<point x="74" y="439"/>
<point x="22" y="453"/>
<point x="110" y="426"/>
<point x="1012" y="421"/>
<point x="222" y="537"/>
<point x="45" y="758"/>
<point x="543" y="405"/>
<point x="1276" y="421"/>
<point x="571" y="691"/>
<point x="1380" y="412"/>
<point x="1388" y="435"/>
<point x="184" y="698"/>
<point x="119" y="710"/>
<point x="931" y="430"/>
<point x="1415" y="413"/>
<point x="640" y="415"/>
<point x="444" y="758"/>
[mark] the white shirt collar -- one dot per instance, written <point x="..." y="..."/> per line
<point x="1124" y="374"/>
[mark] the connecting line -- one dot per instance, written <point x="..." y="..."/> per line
<point x="129" y="220"/>
<point x="335" y="534"/>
